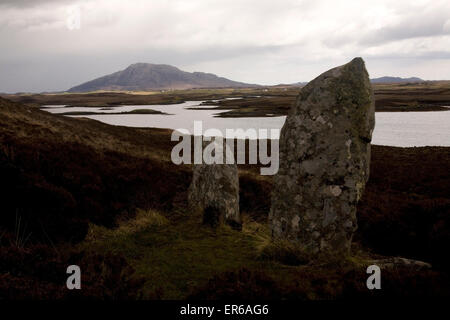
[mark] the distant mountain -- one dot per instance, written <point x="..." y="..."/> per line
<point x="396" y="80"/>
<point x="147" y="76"/>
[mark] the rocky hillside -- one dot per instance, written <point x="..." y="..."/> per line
<point x="147" y="76"/>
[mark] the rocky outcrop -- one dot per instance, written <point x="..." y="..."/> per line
<point x="324" y="161"/>
<point x="214" y="193"/>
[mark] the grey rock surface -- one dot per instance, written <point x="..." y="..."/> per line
<point x="324" y="161"/>
<point x="214" y="193"/>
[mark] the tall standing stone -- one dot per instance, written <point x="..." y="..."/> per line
<point x="324" y="161"/>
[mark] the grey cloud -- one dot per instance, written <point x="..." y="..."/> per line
<point x="250" y="41"/>
<point x="389" y="34"/>
<point x="408" y="27"/>
<point x="29" y="3"/>
<point x="414" y="27"/>
<point x="430" y="55"/>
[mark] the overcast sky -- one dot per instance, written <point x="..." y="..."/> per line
<point x="254" y="41"/>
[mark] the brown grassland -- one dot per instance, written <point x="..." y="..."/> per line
<point x="108" y="198"/>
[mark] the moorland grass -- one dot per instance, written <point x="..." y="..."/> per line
<point x="175" y="256"/>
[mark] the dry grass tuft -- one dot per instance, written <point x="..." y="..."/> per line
<point x="144" y="219"/>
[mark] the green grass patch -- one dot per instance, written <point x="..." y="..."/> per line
<point x="176" y="257"/>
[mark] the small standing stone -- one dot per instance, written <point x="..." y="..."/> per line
<point x="214" y="192"/>
<point x="324" y="161"/>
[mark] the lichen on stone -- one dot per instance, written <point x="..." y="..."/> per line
<point x="324" y="161"/>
